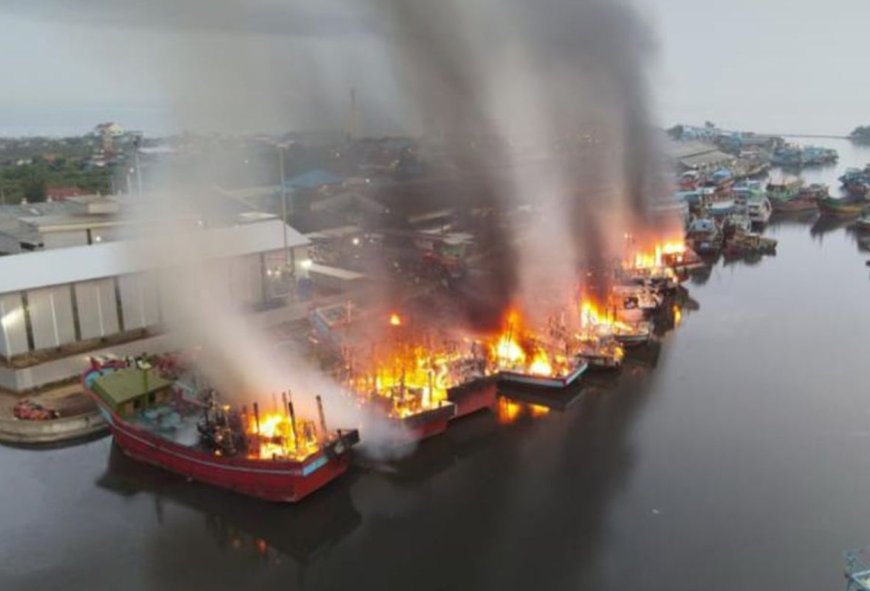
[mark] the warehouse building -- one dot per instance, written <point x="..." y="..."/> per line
<point x="60" y="306"/>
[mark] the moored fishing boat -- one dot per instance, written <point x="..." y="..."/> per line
<point x="628" y="334"/>
<point x="704" y="236"/>
<point x="602" y="354"/>
<point x="841" y="207"/>
<point x="800" y="203"/>
<point x="863" y="222"/>
<point x="276" y="457"/>
<point x="759" y="210"/>
<point x="745" y="243"/>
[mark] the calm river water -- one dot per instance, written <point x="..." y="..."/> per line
<point x="737" y="458"/>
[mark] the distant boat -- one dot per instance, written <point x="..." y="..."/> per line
<point x="722" y="207"/>
<point x="856" y="189"/>
<point x="704" y="236"/>
<point x="759" y="210"/>
<point x="863" y="222"/>
<point x="841" y="207"/>
<point x="795" y="205"/>
<point x="792" y="196"/>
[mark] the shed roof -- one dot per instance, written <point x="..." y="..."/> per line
<point x="125" y="385"/>
<point x="60" y="266"/>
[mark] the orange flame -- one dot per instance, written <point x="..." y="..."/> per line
<point x="653" y="256"/>
<point x="395" y="319"/>
<point x="275" y="439"/>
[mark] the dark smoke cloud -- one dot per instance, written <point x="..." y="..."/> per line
<point x="536" y="71"/>
<point x="574" y="68"/>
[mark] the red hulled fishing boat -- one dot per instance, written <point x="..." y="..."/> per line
<point x="164" y="422"/>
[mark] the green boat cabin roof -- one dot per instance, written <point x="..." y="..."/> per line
<point x="125" y="385"/>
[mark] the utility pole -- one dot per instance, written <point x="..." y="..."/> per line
<point x="283" y="206"/>
<point x="138" y="168"/>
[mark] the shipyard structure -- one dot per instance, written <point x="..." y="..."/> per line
<point x="71" y="291"/>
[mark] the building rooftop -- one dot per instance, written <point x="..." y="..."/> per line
<point x="59" y="266"/>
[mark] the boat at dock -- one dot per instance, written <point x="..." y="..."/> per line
<point x="841" y="207"/>
<point x="863" y="222"/>
<point x="541" y="381"/>
<point x="759" y="210"/>
<point x="627" y="334"/>
<point x="275" y="457"/>
<point x="748" y="243"/>
<point x="601" y="354"/>
<point x="704" y="236"/>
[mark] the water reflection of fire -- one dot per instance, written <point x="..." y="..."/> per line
<point x="509" y="411"/>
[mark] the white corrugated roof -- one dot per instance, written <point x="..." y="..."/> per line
<point x="59" y="266"/>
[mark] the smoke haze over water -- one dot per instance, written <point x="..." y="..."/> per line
<point x="533" y="75"/>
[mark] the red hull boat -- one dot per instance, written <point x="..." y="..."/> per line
<point x="270" y="480"/>
<point x="139" y="422"/>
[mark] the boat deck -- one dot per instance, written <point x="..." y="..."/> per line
<point x="168" y="423"/>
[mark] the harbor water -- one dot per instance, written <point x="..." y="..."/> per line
<point x="736" y="455"/>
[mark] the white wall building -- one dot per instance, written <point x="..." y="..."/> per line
<point x="60" y="306"/>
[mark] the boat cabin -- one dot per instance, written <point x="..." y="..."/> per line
<point x="130" y="390"/>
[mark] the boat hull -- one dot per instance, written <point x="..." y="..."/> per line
<point x="473" y="397"/>
<point x="796" y="204"/>
<point x="428" y="423"/>
<point x="542" y="382"/>
<point x="831" y="207"/>
<point x="270" y="480"/>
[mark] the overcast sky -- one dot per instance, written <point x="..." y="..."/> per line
<point x="770" y="65"/>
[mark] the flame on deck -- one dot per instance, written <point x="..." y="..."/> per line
<point x="277" y="439"/>
<point x="521" y="350"/>
<point x="405" y="378"/>
<point x="656" y="255"/>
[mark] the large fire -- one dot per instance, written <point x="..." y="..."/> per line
<point x="520" y="350"/>
<point x="410" y="373"/>
<point x="276" y="436"/>
<point x="656" y="256"/>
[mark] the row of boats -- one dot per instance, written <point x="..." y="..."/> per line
<point x="161" y="410"/>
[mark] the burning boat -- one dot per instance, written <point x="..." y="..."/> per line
<point x="419" y="378"/>
<point x="533" y="361"/>
<point x="276" y="457"/>
<point x="635" y="302"/>
<point x="408" y="386"/>
<point x="600" y="353"/>
<point x="595" y="323"/>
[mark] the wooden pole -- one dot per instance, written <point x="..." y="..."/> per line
<point x="324" y="434"/>
<point x="293" y="425"/>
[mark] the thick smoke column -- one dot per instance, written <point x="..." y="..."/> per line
<point x="540" y="74"/>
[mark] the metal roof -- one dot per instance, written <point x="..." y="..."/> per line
<point x="707" y="159"/>
<point x="60" y="266"/>
<point x="125" y="385"/>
